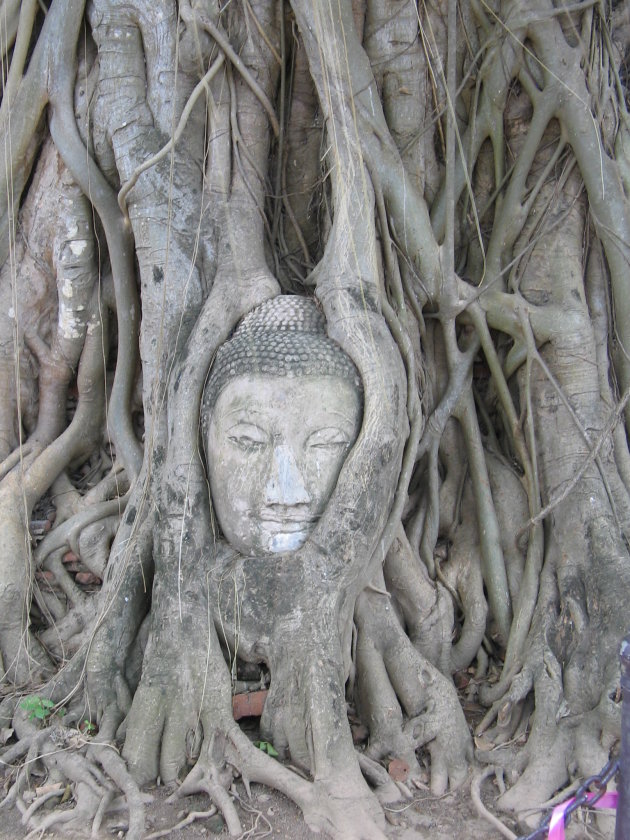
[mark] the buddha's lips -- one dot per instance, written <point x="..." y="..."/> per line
<point x="287" y="524"/>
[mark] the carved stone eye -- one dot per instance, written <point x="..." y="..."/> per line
<point x="328" y="438"/>
<point x="248" y="437"/>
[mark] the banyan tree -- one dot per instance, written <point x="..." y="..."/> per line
<point x="314" y="363"/>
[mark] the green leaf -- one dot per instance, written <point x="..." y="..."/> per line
<point x="37" y="707"/>
<point x="265" y="746"/>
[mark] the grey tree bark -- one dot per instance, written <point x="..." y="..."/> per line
<point x="450" y="182"/>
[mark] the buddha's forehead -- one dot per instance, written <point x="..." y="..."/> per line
<point x="285" y="336"/>
<point x="297" y="400"/>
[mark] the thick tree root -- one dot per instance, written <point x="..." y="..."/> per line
<point x="392" y="676"/>
<point x="77" y="763"/>
<point x="326" y="805"/>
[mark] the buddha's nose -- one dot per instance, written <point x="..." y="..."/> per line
<point x="286" y="484"/>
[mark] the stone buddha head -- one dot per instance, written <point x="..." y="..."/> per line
<point x="281" y="409"/>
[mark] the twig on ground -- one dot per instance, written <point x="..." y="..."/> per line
<point x="189" y="820"/>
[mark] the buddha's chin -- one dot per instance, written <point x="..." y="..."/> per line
<point x="286" y="541"/>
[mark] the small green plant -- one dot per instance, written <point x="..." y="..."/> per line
<point x="38" y="708"/>
<point x="88" y="728"/>
<point x="265" y="746"/>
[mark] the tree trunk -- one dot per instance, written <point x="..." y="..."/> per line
<point x="448" y="184"/>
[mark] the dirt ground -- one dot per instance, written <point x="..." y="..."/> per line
<point x="270" y="815"/>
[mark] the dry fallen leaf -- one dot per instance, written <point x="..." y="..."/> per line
<point x="398" y="770"/>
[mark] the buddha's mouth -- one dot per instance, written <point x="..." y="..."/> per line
<point x="287" y="518"/>
<point x="287" y="530"/>
<point x="288" y="525"/>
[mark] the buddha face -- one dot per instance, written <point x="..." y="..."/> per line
<point x="275" y="448"/>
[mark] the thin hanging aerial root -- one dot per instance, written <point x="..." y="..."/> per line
<point x="475" y="793"/>
<point x="201" y="86"/>
<point x="592" y="456"/>
<point x="247" y="77"/>
<point x="65" y="134"/>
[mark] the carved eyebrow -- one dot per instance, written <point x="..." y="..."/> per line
<point x="337" y="413"/>
<point x="244" y="411"/>
<point x="336" y="416"/>
<point x="244" y="425"/>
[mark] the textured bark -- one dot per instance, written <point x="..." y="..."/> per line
<point x="450" y="182"/>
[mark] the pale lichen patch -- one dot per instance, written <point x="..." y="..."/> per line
<point x="78" y="246"/>
<point x="69" y="325"/>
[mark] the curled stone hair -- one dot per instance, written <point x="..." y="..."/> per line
<point x="284" y="336"/>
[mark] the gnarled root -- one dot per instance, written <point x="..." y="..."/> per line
<point x="392" y="677"/>
<point x="77" y="763"/>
